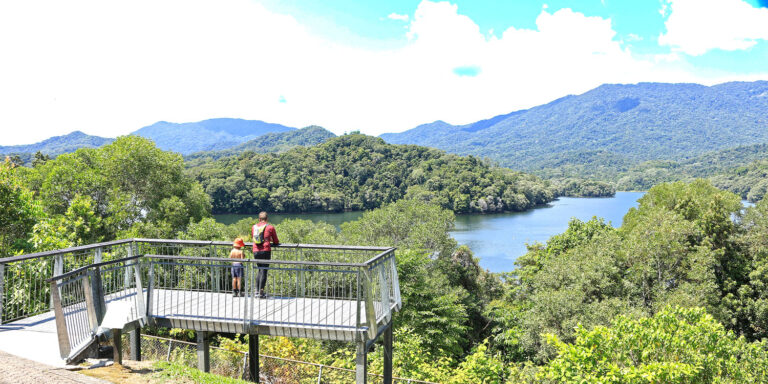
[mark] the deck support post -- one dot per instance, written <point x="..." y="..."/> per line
<point x="117" y="346"/>
<point x="203" y="351"/>
<point x="253" y="357"/>
<point x="388" y="354"/>
<point x="361" y="363"/>
<point x="136" y="344"/>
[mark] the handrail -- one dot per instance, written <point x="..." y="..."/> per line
<point x="259" y="261"/>
<point x="380" y="256"/>
<point x="281" y="245"/>
<point x="35" y="255"/>
<point x="28" y="256"/>
<point x="89" y="266"/>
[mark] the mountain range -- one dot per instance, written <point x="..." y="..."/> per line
<point x="56" y="145"/>
<point x="609" y="129"/>
<point x="610" y="125"/>
<point x="207" y="135"/>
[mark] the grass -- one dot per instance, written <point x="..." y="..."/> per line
<point x="177" y="373"/>
<point x="140" y="372"/>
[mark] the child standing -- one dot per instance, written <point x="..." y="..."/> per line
<point x="237" y="267"/>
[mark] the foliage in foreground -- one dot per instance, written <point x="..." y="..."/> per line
<point x="175" y="372"/>
<point x="676" y="345"/>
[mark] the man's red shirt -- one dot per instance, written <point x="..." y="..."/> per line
<point x="270" y="237"/>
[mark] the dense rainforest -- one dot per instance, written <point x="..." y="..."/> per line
<point x="741" y="170"/>
<point x="612" y="124"/>
<point x="358" y="172"/>
<point x="675" y="295"/>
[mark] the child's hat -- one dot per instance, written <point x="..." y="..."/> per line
<point x="239" y="243"/>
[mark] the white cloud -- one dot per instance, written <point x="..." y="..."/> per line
<point x="397" y="16"/>
<point x="698" y="26"/>
<point x="109" y="68"/>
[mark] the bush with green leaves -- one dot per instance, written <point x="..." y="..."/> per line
<point x="676" y="345"/>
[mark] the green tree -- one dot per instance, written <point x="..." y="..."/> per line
<point x="677" y="345"/>
<point x="18" y="211"/>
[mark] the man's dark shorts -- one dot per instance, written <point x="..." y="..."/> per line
<point x="237" y="270"/>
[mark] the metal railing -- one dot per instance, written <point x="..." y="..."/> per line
<point x="317" y="291"/>
<point x="81" y="297"/>
<point x="23" y="289"/>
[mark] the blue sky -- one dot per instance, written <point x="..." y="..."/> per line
<point x="638" y="24"/>
<point x="110" y="68"/>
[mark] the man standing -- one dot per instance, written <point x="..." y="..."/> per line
<point x="264" y="236"/>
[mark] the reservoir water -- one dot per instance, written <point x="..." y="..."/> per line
<point x="499" y="239"/>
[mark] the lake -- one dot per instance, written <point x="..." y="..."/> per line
<point x="499" y="239"/>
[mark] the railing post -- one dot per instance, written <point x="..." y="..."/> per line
<point x="141" y="309"/>
<point x="2" y="292"/>
<point x="97" y="290"/>
<point x="58" y="269"/>
<point x="384" y="288"/>
<point x="370" y="310"/>
<point x="90" y="304"/>
<point x="357" y="304"/>
<point x="128" y="271"/>
<point x="215" y="271"/>
<point x="150" y="286"/>
<point x="61" y="323"/>
<point x="361" y="363"/>
<point x="97" y="256"/>
<point x="396" y="283"/>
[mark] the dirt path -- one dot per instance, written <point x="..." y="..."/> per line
<point x="131" y="372"/>
<point x="17" y="370"/>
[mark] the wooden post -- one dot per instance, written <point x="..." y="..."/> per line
<point x="135" y="336"/>
<point x="117" y="346"/>
<point x="388" y="355"/>
<point x="203" y="351"/>
<point x="361" y="363"/>
<point x="253" y="357"/>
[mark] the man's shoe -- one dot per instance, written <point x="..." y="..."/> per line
<point x="262" y="295"/>
<point x="234" y="293"/>
<point x="242" y="294"/>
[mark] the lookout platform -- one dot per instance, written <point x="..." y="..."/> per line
<point x="80" y="296"/>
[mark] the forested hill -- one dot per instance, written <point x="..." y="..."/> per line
<point x="270" y="143"/>
<point x="611" y="124"/>
<point x="206" y="135"/>
<point x="359" y="172"/>
<point x="56" y="145"/>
